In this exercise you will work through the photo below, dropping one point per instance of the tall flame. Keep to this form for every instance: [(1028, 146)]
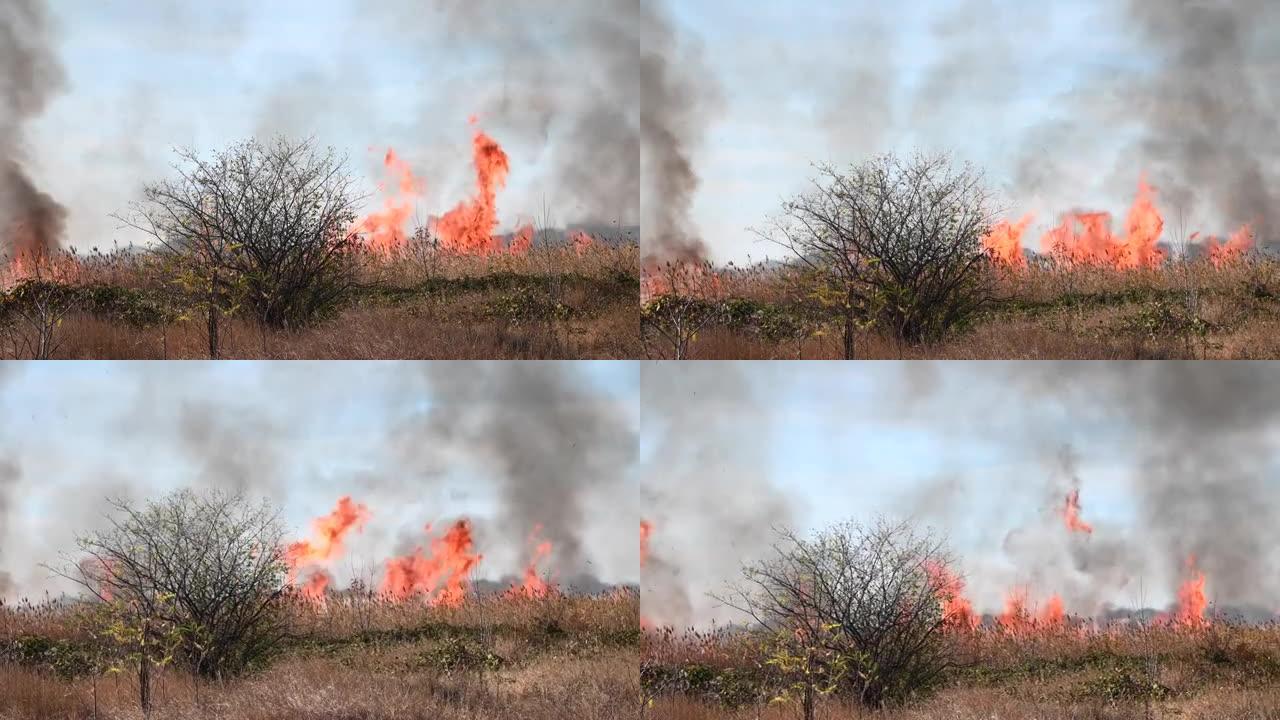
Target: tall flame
[(1004, 242), (1189, 609), (384, 231), (440, 576), (468, 228), (957, 611), (328, 533), (534, 586), (1070, 513)]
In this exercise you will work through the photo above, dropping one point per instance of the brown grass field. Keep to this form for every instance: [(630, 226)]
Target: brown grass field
[(1181, 310), (554, 303), (559, 657), (1220, 672)]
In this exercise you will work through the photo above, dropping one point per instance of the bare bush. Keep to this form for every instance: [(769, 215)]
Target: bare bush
[(900, 239), (210, 566), (264, 226), (860, 607)]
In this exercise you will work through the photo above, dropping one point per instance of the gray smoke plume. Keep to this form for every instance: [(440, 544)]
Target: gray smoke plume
[(1211, 113), (565, 80), (546, 440), (10, 474), (1198, 443), (677, 97), (31, 222), (706, 486), (1205, 436)]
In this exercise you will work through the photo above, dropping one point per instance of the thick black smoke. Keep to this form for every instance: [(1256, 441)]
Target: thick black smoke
[(31, 222)]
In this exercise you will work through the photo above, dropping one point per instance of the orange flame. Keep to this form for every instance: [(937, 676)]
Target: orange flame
[(646, 529), (468, 228), (1189, 609), (328, 533), (442, 576), (1004, 242), (1235, 247), (1017, 618), (384, 231), (315, 586), (534, 586), (957, 611), (1085, 238), (521, 241), (581, 242), (1070, 513)]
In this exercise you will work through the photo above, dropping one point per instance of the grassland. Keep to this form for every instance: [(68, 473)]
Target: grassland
[(1220, 672), (1179, 310), (556, 302), (357, 657)]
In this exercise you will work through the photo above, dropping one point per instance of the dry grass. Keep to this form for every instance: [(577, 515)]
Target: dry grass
[(1182, 310), (550, 303), (1222, 671), (360, 657)]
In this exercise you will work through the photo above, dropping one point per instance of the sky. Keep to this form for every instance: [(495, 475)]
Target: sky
[(973, 451), (145, 78), (1028, 92), (299, 434)]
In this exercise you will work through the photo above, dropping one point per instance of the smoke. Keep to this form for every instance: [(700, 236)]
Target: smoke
[(31, 222), (677, 98), (10, 474), (1204, 438), (551, 445), (1197, 448), (557, 75), (706, 486), (1211, 113)]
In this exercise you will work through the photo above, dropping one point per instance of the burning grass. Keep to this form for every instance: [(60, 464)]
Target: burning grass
[(1177, 309), (553, 301), (360, 654), (1070, 670)]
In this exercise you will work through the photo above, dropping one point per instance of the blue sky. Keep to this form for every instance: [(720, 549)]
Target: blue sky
[(81, 431), (780, 64)]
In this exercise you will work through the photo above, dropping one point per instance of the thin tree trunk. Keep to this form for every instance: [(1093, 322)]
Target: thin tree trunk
[(144, 685), (213, 319), (848, 326)]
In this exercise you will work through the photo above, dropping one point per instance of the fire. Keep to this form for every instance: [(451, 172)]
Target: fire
[(682, 279), (316, 585), (1235, 247), (534, 586), (1189, 609), (1085, 239), (1071, 514), (521, 241), (384, 231), (581, 242), (328, 533), (1018, 619), (957, 611), (468, 228), (646, 528), (442, 575), (1004, 242)]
